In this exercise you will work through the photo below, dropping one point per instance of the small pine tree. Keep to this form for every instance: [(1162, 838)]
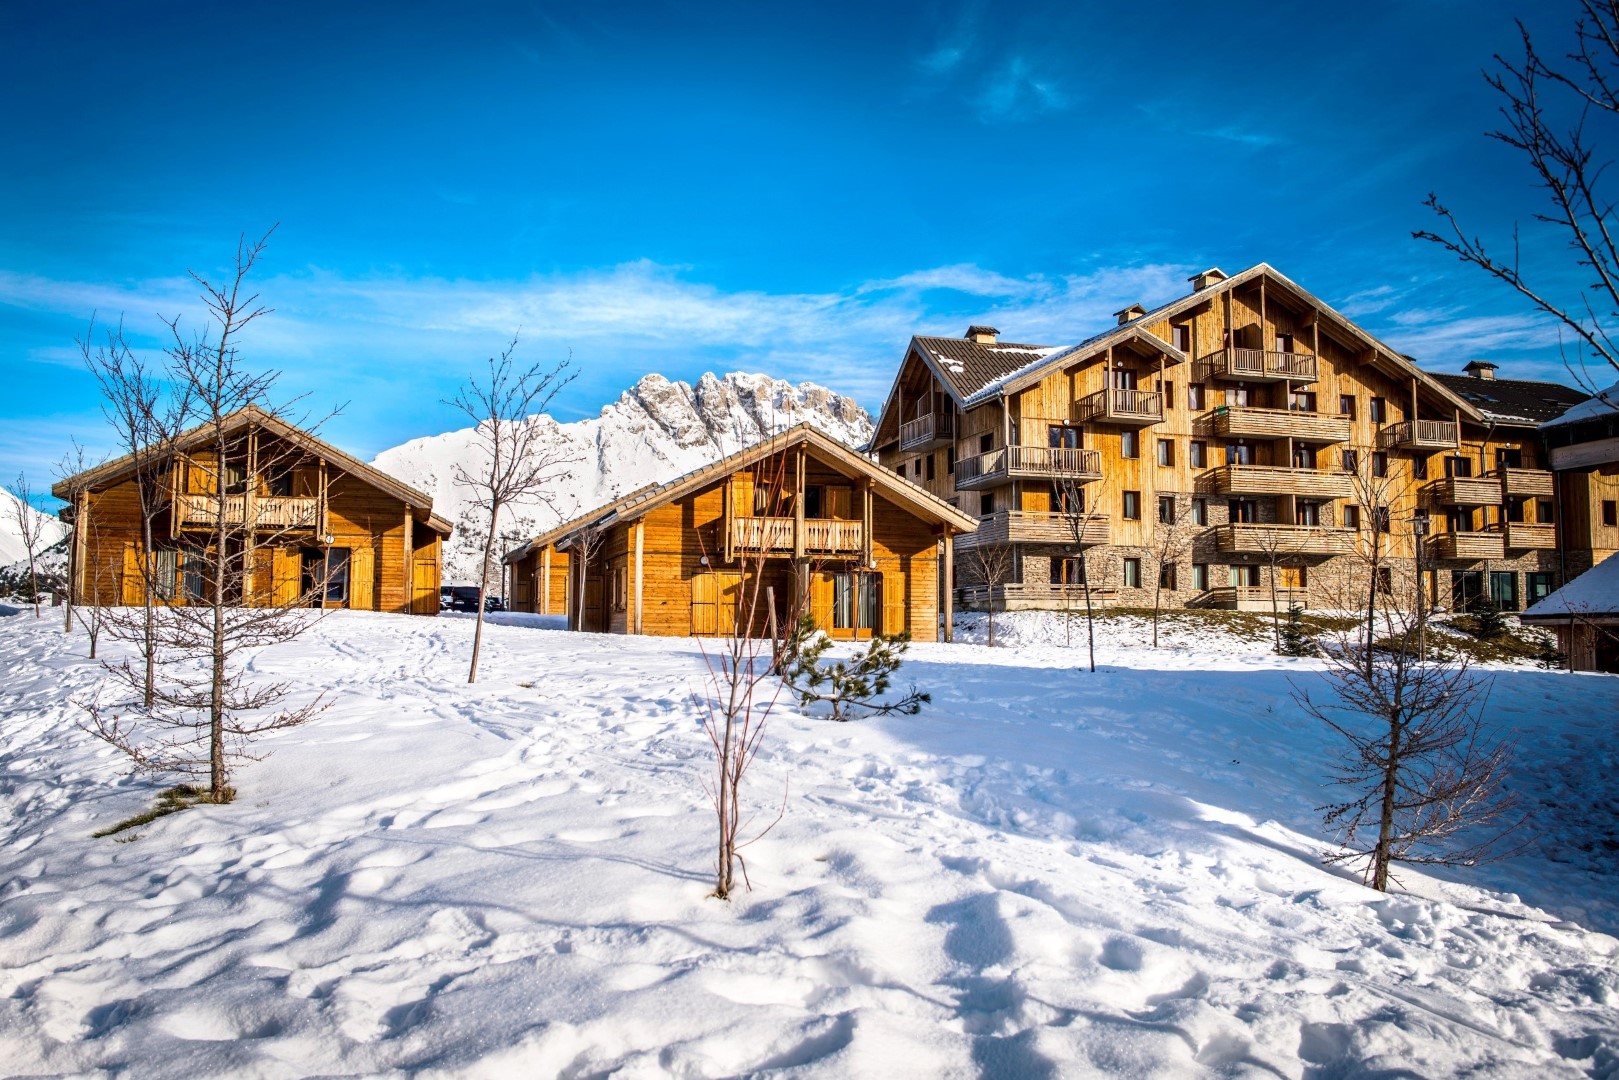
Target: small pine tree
[(1489, 624), (1295, 640), (848, 684)]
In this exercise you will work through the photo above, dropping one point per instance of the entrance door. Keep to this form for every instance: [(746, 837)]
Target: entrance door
[(424, 584), (1504, 590), (714, 597), (1466, 589)]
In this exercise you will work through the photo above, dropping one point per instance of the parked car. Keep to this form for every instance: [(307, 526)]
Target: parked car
[(466, 597)]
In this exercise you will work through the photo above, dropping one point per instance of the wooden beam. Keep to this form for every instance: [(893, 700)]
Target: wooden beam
[(545, 580), (639, 529), (410, 563), (947, 574), (798, 503)]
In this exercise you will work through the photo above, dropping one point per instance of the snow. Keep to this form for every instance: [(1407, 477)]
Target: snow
[(1047, 872), (1603, 403), (657, 430), (1594, 592), (12, 548)]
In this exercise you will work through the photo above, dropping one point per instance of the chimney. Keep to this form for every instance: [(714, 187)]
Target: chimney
[(982, 335), (1130, 314), (1212, 276), (1480, 369)]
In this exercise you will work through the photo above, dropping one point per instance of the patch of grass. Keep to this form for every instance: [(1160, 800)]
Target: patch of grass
[(169, 801)]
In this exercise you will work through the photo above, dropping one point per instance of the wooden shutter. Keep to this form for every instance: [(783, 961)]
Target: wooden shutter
[(287, 577), (896, 591), (134, 587), (362, 572)]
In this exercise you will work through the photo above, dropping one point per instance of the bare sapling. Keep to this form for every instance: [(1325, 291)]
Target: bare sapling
[(514, 457), (1082, 514), (30, 529), (1426, 776), (989, 567), (1171, 540), (214, 581), (583, 547)]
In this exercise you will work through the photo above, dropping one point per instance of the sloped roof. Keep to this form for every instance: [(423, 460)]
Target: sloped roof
[(966, 366), (896, 489), (1513, 401), (119, 468), (1603, 403), (1595, 592)]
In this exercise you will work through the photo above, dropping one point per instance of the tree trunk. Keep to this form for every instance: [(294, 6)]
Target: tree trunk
[(33, 581), (483, 579), (149, 646), (1385, 821)]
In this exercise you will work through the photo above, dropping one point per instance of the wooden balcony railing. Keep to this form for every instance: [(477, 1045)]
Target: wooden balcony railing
[(1465, 491), (1282, 480), (774, 536), (1527, 535), (1036, 462), (284, 512), (1253, 539), (1039, 595), (1469, 545), (1260, 365), (1243, 422), (1035, 527), (1256, 597), (927, 430), (1537, 482), (1136, 408), (1419, 435)]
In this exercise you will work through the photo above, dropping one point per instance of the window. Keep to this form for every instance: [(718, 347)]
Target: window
[(1508, 458), (1351, 460), (1129, 444), (165, 572), (1132, 573), (1200, 577), (986, 443), (1198, 454), (1067, 498), (1610, 513), (1518, 509), (842, 601), (1239, 396), (950, 460), (986, 503), (337, 575), (1065, 571), (1063, 438), (1382, 520), (900, 468), (1380, 463), (1200, 511), (1466, 589), (1166, 576), (1346, 405), (1307, 513), (1132, 505), (1543, 512), (1123, 379), (1458, 466), (1504, 589), (814, 501), (916, 467), (1459, 520), (1168, 390), (1244, 577), (235, 479), (278, 483), (1242, 511), (1419, 468), (1303, 457), (1284, 343), (1181, 337), (1301, 401), (931, 465), (1537, 586), (1166, 451), (1239, 454), (1385, 581), (1379, 411), (1351, 516), (1166, 509), (1194, 396)]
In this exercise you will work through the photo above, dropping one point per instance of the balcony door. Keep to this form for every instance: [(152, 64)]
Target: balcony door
[(1122, 379), (1063, 438), (1466, 589)]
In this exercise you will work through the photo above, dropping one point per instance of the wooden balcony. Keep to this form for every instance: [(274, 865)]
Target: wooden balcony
[(1019, 597), (1259, 365), (928, 431), (774, 536), (1465, 491), (1536, 482), (1469, 545), (1241, 422), (1256, 598), (1528, 535), (1130, 408), (263, 513), (1419, 435), (1028, 462), (1246, 538), (1035, 527), (1282, 480)]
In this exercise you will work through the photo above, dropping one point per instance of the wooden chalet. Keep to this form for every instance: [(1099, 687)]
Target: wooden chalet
[(1277, 433), (309, 511), (872, 550)]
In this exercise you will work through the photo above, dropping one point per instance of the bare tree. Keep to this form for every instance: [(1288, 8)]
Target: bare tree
[(1171, 540), (989, 566), (206, 709), (1426, 775), (1561, 115), (583, 547), (1082, 514), (1375, 484), (1281, 549), (30, 529), (515, 460)]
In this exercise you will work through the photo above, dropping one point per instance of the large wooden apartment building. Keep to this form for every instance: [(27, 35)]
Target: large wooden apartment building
[(1282, 442)]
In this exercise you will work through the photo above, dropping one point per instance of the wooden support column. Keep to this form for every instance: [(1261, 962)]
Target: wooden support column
[(250, 519), (410, 564), (1263, 326), (798, 504), (728, 519), (1413, 416), (947, 575), (320, 506), (81, 519), (545, 580), (639, 528), (1458, 431), (865, 522)]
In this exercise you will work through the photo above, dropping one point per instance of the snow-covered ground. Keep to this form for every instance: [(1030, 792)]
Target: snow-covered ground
[(1047, 872)]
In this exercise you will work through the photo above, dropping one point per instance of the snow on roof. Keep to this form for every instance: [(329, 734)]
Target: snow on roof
[(1605, 401), (1595, 592)]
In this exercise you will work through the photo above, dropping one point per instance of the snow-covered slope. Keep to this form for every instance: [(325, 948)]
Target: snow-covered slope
[(655, 431), (12, 548)]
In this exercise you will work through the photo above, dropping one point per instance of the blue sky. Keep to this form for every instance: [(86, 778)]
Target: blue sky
[(785, 188)]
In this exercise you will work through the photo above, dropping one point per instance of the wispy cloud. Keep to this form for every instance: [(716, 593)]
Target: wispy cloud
[(999, 71), (1244, 136)]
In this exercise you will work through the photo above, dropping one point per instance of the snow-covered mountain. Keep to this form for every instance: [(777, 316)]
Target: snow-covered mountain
[(655, 431), (12, 549)]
